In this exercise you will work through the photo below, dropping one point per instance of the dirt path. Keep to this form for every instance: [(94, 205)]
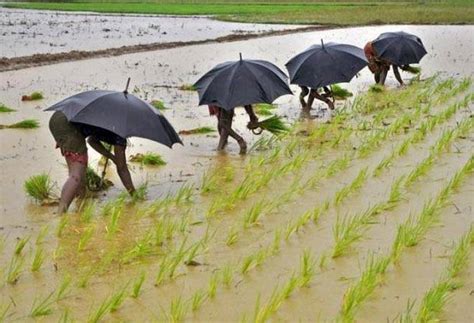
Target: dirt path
[(16, 63)]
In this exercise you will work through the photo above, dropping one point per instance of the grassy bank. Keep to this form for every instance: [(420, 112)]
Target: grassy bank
[(296, 12)]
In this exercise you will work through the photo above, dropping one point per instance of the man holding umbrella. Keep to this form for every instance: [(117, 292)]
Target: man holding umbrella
[(71, 139), (107, 116)]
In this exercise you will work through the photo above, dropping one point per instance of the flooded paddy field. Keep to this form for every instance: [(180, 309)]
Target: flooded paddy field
[(28, 32), (353, 216)]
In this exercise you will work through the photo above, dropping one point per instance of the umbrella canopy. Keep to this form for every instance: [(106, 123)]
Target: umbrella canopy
[(120, 113), (326, 64), (238, 83), (399, 48)]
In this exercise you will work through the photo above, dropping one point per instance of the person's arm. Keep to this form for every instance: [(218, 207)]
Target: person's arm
[(396, 72), (324, 98), (97, 146), (253, 117), (120, 161)]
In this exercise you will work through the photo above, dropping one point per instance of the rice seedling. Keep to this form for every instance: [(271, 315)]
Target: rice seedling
[(66, 316), (187, 87), (212, 287), (62, 290), (20, 245), (395, 193), (184, 194), (87, 210), (97, 315), (178, 309), (459, 259), (32, 97), (84, 278), (247, 263), (193, 253), (274, 124), (377, 88), (340, 93), (307, 268), (276, 243), (116, 211), (264, 109), (41, 235), (198, 299), (351, 187), (251, 216), (14, 270), (369, 279), (61, 226), (159, 105), (24, 124), (4, 309), (232, 236), (5, 109), (140, 193), (434, 300), (163, 270), (39, 187), (85, 238), (148, 159), (38, 260), (116, 300), (290, 286), (227, 275), (197, 131), (42, 307)]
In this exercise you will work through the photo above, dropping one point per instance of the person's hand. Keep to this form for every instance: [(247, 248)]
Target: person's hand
[(252, 124)]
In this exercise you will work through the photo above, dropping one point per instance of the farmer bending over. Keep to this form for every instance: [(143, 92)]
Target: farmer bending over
[(380, 67), (314, 93), (224, 126), (71, 139)]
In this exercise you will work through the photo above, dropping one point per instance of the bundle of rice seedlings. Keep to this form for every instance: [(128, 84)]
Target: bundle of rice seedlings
[(197, 131), (187, 87), (159, 105), (264, 109), (94, 182), (376, 88), (274, 124), (412, 69), (32, 97), (340, 93), (40, 188), (4, 108), (25, 124), (148, 158)]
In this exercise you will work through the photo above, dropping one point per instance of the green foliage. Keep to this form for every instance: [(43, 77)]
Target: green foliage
[(159, 105), (197, 131), (187, 87), (340, 93), (39, 187), (274, 124), (149, 159), (4, 108), (25, 124), (264, 109)]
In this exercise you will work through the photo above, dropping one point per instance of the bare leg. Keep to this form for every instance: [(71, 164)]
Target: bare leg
[(383, 75), (312, 94), (77, 171), (396, 72), (377, 77), (223, 134), (226, 124), (303, 94), (122, 168)]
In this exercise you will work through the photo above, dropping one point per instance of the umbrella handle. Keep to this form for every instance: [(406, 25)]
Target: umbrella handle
[(126, 87), (257, 131)]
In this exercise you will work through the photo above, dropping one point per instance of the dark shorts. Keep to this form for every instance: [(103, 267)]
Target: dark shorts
[(67, 136)]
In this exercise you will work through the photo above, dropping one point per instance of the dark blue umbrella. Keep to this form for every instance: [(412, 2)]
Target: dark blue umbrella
[(238, 83), (326, 64), (399, 48), (120, 113)]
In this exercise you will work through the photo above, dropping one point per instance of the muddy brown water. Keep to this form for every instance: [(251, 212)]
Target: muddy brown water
[(28, 152)]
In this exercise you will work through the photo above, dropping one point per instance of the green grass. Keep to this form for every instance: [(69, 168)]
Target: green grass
[(329, 13), (197, 131), (274, 124), (264, 109), (159, 105), (187, 87), (4, 108), (39, 187), (25, 124), (340, 93), (149, 159)]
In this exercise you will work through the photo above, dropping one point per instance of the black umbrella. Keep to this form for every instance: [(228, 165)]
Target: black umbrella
[(399, 48), (120, 113), (326, 64), (238, 83)]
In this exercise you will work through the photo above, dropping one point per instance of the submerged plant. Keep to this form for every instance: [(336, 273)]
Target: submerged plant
[(33, 96), (25, 124), (197, 299), (177, 310), (158, 104), (39, 187), (149, 159), (42, 307), (197, 131), (38, 260), (14, 270), (20, 245), (4, 108)]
